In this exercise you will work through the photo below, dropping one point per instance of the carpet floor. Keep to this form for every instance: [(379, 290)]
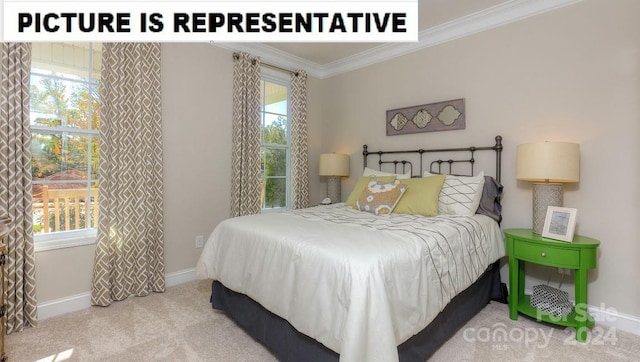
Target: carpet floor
[(180, 325)]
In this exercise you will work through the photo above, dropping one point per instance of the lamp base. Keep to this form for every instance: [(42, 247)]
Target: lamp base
[(333, 189), (544, 195)]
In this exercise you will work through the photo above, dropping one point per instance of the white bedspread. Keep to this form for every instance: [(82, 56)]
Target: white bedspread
[(360, 284)]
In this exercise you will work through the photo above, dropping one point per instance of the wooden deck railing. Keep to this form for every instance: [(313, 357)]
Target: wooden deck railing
[(67, 203)]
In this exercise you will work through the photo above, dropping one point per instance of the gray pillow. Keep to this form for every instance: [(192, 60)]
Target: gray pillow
[(490, 201)]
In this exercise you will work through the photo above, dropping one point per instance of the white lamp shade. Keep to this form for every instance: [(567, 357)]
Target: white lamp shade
[(548, 162), (334, 164)]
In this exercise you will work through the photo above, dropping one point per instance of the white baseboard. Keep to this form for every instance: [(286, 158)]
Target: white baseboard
[(81, 301), (179, 277), (64, 305), (610, 317)]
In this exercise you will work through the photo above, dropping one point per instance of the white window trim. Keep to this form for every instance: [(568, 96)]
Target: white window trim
[(62, 129), (64, 239)]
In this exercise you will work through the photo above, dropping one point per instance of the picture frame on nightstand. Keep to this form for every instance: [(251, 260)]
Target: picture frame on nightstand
[(560, 223)]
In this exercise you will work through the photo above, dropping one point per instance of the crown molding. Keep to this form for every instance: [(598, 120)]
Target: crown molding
[(493, 17), (274, 56)]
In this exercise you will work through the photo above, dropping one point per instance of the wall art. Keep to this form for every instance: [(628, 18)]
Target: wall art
[(440, 116)]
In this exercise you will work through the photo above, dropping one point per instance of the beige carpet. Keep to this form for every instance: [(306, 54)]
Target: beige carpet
[(180, 325)]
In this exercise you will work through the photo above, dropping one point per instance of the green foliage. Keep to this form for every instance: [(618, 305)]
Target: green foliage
[(275, 163), (60, 106)]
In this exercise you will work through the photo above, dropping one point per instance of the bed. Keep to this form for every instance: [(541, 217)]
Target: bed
[(334, 283)]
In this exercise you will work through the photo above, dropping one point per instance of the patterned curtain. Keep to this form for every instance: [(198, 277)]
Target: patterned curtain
[(245, 161), (299, 148), (15, 184), (130, 249)]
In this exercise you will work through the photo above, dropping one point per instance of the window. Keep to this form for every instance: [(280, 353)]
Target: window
[(275, 148), (65, 120)]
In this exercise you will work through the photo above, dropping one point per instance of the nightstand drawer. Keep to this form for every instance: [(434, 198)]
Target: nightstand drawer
[(547, 255)]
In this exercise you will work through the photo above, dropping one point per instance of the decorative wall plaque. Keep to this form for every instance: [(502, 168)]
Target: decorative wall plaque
[(440, 116)]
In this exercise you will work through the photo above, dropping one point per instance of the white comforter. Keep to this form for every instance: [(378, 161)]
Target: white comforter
[(358, 283)]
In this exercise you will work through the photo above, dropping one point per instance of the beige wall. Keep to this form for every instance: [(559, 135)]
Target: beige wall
[(63, 273), (196, 111), (572, 75)]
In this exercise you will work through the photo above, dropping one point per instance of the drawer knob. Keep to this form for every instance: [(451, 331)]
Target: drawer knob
[(543, 254)]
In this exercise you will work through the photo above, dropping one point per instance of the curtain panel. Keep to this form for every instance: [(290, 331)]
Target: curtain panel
[(299, 147), (246, 130), (15, 184), (129, 257)]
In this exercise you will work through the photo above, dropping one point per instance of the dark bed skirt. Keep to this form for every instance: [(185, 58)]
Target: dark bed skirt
[(287, 344)]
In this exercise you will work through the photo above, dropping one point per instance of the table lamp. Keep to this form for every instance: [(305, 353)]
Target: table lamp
[(334, 166), (548, 165)]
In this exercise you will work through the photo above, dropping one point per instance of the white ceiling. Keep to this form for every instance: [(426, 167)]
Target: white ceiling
[(439, 21), (432, 13)]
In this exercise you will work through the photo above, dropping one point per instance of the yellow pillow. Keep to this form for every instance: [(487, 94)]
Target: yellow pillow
[(361, 184), (421, 197)]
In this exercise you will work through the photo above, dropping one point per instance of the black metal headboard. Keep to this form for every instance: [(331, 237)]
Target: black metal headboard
[(436, 166)]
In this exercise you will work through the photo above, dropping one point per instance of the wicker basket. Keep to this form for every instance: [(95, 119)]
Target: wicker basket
[(551, 300)]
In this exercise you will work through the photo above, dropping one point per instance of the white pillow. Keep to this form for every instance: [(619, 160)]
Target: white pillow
[(400, 176), (460, 195)]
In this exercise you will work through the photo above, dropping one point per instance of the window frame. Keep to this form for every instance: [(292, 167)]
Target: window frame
[(76, 237), (279, 78)]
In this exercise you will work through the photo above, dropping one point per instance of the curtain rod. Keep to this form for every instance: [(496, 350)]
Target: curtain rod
[(236, 57), (280, 68)]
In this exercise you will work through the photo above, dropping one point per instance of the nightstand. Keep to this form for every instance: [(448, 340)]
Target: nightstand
[(580, 255)]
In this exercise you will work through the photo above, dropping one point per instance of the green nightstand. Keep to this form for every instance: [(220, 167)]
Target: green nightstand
[(579, 255)]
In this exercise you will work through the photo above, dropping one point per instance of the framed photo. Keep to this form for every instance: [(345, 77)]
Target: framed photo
[(559, 223)]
